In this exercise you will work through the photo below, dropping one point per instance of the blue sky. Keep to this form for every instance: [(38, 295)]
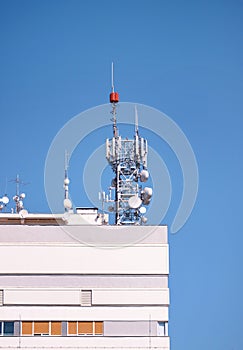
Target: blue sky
[(181, 57)]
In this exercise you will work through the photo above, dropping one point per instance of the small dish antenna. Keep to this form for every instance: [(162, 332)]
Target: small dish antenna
[(134, 202), (4, 200), (23, 213), (142, 210)]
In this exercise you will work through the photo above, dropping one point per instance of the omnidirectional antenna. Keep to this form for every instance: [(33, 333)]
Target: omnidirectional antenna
[(136, 121), (112, 77), (19, 197)]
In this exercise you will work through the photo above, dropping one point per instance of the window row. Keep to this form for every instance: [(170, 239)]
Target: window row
[(53, 328)]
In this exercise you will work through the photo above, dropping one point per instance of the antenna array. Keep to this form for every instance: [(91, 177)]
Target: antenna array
[(128, 160)]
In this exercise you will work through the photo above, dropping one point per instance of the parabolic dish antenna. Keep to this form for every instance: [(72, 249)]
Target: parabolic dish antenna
[(23, 213), (5, 200), (134, 202), (142, 210)]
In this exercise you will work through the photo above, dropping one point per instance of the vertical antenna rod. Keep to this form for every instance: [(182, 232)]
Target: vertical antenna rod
[(112, 77), (136, 121), (114, 99), (66, 179)]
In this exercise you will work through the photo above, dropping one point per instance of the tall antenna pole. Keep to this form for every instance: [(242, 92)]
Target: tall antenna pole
[(128, 159)]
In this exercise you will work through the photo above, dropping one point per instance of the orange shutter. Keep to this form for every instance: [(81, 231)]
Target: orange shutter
[(26, 328), (98, 327), (85, 327), (56, 328), (41, 327), (72, 328)]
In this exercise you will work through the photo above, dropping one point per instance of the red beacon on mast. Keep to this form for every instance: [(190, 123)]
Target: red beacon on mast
[(114, 96)]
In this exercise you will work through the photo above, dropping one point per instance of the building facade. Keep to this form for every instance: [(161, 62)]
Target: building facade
[(78, 286)]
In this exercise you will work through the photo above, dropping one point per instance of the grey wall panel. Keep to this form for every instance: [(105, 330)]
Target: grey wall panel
[(64, 328), (130, 328), (83, 281), (17, 328)]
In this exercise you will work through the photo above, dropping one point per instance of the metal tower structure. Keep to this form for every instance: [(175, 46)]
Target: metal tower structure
[(128, 160)]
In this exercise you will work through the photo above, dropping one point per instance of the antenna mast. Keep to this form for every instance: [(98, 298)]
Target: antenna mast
[(128, 159), (67, 202), (19, 197)]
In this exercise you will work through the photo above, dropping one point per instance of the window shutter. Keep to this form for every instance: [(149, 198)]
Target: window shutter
[(85, 327), (56, 328), (99, 328), (26, 328), (72, 328), (41, 327), (86, 297)]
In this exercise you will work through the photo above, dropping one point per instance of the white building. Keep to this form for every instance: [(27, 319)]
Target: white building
[(82, 286), (71, 281)]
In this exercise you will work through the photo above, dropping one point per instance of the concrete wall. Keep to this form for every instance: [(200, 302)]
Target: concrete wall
[(78, 313), (44, 259), (86, 342), (111, 296), (83, 281)]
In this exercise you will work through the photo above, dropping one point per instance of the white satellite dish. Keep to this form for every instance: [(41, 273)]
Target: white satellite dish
[(67, 203), (23, 195), (148, 192), (142, 210), (23, 213), (144, 220), (5, 200), (134, 202), (144, 175)]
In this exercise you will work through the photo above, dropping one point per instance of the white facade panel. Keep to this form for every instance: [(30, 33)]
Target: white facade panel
[(21, 296), (130, 296), (76, 313), (83, 259), (86, 342)]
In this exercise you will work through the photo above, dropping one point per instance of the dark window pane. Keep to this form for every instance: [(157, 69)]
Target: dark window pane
[(0, 328), (8, 328)]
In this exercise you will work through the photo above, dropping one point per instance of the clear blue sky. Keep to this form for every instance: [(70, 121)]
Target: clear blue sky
[(181, 57)]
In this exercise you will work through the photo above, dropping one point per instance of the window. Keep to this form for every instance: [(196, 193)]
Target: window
[(161, 329), (72, 328), (56, 328), (7, 328), (41, 328), (85, 328), (98, 328), (27, 328)]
